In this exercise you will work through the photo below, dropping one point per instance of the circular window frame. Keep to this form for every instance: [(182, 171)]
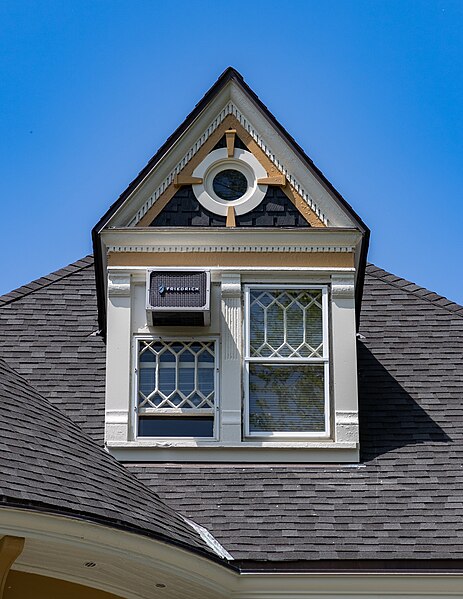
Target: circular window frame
[(243, 180), (217, 161)]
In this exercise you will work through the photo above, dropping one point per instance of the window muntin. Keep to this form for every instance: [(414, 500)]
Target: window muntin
[(176, 378), (286, 361)]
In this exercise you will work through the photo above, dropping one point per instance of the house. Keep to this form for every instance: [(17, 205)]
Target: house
[(226, 400)]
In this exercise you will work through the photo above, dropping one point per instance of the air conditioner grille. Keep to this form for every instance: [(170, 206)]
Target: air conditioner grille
[(173, 289)]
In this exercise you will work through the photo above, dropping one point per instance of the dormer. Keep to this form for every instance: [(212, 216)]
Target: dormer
[(229, 278)]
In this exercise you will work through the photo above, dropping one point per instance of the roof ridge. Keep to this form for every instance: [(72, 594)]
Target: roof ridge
[(42, 282), (408, 286)]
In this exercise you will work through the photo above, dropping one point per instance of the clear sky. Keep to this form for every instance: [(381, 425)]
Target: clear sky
[(373, 91)]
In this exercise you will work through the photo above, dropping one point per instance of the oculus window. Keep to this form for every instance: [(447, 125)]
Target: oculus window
[(176, 388), (286, 362)]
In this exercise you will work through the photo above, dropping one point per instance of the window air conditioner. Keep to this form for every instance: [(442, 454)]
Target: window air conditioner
[(178, 297)]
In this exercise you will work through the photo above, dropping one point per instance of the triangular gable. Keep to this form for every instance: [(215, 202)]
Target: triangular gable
[(231, 103), (159, 200)]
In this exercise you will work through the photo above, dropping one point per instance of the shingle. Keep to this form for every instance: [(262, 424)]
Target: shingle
[(403, 501), (46, 461)]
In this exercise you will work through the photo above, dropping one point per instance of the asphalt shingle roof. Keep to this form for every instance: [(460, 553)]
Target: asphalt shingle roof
[(48, 334), (47, 463), (405, 499)]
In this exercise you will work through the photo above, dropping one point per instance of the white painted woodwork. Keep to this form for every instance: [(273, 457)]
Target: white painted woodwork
[(118, 388), (344, 358), (233, 101), (231, 369)]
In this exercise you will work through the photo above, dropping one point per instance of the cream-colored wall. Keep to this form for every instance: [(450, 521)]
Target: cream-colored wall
[(127, 319)]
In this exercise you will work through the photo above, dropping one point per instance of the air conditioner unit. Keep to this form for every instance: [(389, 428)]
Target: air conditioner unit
[(178, 297)]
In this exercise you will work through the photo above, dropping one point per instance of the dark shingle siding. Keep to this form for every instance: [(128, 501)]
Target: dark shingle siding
[(184, 210)]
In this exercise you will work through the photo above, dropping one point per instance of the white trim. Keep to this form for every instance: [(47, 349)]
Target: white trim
[(215, 411), (175, 249), (211, 541), (247, 360), (71, 541), (232, 109), (152, 561), (232, 239), (217, 161)]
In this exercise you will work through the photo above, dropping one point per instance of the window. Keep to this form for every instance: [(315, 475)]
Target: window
[(176, 388), (286, 362)]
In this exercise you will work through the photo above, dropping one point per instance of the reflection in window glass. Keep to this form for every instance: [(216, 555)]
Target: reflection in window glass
[(287, 361)]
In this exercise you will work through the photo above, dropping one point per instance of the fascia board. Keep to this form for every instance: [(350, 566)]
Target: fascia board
[(349, 584), (152, 556), (278, 146), (169, 159), (204, 238)]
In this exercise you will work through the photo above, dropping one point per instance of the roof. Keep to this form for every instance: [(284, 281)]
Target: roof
[(80, 479), (229, 74), (48, 335), (402, 502)]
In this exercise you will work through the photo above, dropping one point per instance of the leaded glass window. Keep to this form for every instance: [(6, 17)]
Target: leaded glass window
[(287, 362), (176, 379)]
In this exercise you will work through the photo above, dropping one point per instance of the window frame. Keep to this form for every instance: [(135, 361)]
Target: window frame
[(325, 360), (174, 412)]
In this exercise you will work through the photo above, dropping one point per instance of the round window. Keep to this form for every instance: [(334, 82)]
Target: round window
[(230, 184)]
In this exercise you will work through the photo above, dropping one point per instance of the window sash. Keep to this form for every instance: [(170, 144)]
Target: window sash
[(174, 411), (273, 361)]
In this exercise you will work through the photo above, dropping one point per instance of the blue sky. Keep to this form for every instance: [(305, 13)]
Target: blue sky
[(373, 91)]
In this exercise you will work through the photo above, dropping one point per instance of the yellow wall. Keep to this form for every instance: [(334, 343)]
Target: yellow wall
[(20, 585), (218, 259)]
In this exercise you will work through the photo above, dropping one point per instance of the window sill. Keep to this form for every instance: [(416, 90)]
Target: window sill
[(174, 450)]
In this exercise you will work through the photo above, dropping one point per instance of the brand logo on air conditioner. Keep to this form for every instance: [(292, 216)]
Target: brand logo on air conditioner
[(163, 289)]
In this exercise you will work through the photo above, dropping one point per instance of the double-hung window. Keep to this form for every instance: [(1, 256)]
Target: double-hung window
[(286, 361), (176, 387)]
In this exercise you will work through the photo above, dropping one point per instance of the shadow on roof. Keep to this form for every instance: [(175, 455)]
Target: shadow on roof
[(390, 418)]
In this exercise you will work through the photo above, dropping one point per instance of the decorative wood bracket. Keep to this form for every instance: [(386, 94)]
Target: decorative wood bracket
[(230, 137), (279, 180), (231, 221), (10, 549), (180, 180)]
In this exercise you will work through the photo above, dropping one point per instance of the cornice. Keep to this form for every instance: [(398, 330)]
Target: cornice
[(229, 109), (228, 248)]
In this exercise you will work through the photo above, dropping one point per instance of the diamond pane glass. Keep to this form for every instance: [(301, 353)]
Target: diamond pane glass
[(286, 324), (286, 398), (176, 375)]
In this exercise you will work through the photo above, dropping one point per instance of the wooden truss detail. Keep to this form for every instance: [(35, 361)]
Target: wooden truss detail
[(230, 137), (231, 221), (231, 124), (10, 549), (279, 180), (180, 180)]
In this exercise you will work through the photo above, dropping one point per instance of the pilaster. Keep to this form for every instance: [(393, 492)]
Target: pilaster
[(118, 358), (231, 336), (344, 358)]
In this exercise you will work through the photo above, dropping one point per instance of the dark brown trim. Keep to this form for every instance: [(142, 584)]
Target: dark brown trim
[(352, 566), (361, 276), (99, 283)]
